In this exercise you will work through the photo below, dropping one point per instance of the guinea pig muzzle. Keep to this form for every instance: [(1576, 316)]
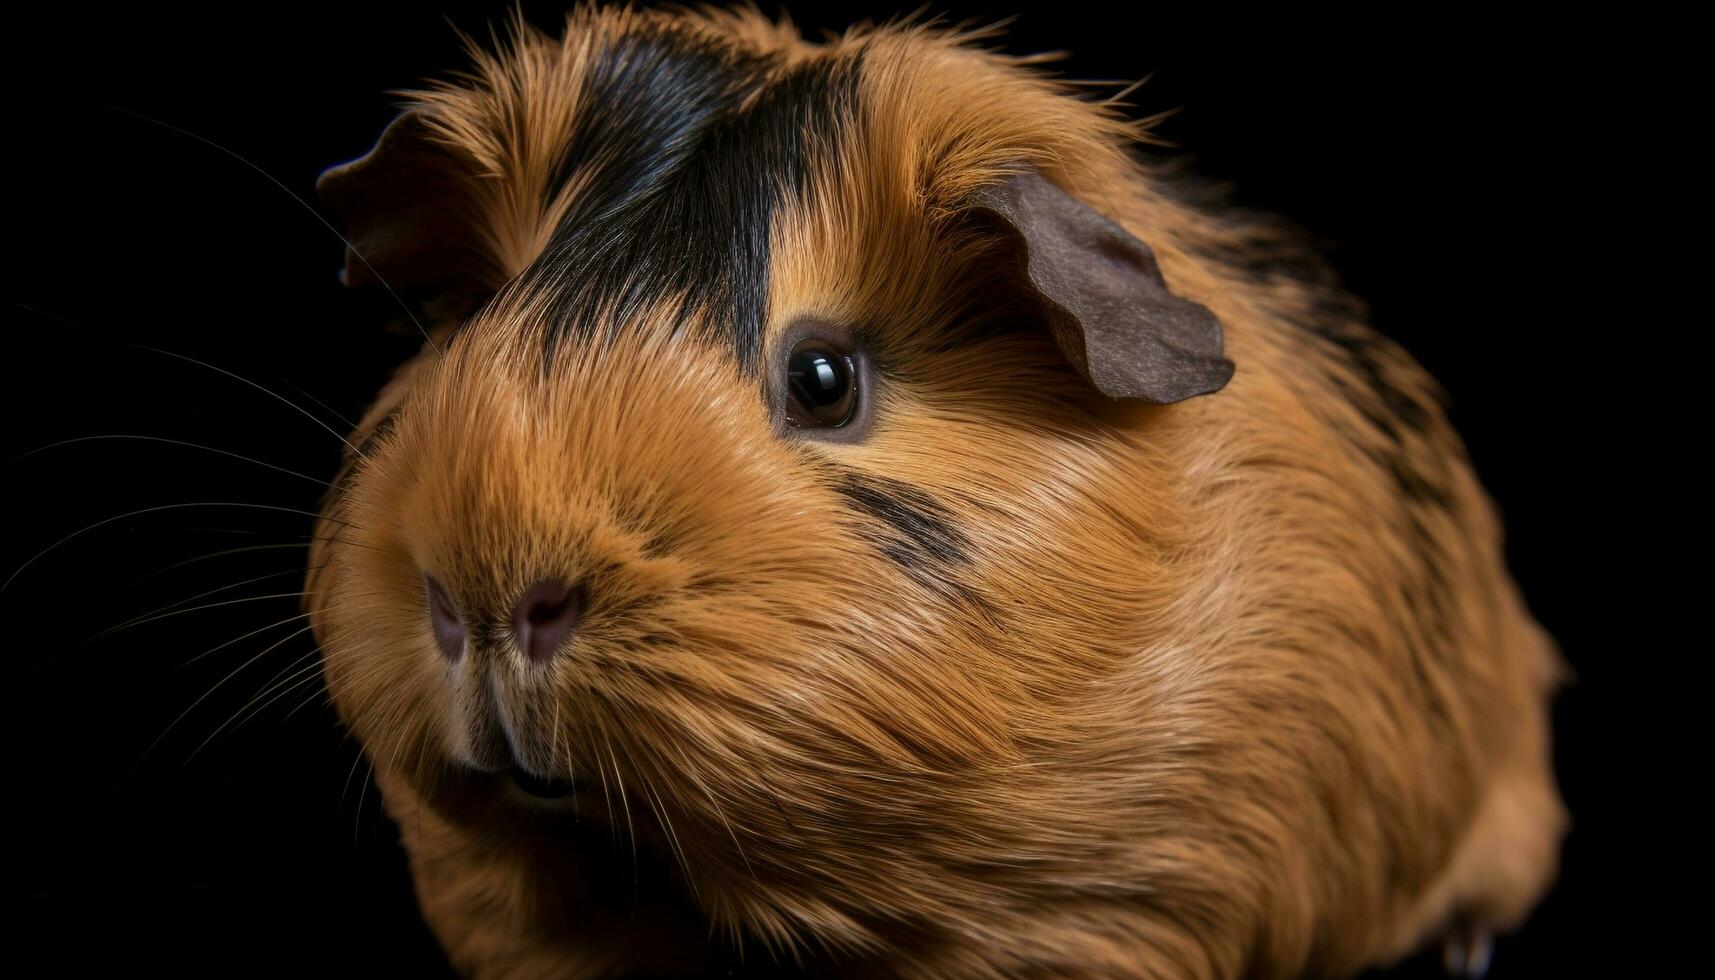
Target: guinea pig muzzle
[(502, 745), (502, 758), (498, 716), (500, 729)]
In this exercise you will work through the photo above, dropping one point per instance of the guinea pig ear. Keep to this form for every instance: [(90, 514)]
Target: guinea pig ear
[(407, 211), (1105, 298)]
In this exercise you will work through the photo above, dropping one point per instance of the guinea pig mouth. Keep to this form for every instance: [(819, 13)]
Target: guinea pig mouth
[(543, 787)]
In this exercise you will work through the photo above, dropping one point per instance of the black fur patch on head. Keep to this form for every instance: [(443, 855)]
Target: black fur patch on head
[(684, 148)]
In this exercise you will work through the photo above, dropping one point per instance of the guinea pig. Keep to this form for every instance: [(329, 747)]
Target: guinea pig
[(853, 512)]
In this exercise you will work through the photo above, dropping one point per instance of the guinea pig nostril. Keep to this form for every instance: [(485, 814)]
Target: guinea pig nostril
[(545, 617), (444, 617)]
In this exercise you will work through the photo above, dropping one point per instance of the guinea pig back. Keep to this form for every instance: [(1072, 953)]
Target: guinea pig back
[(850, 512)]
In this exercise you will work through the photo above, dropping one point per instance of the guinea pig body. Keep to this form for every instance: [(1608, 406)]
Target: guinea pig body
[(964, 665)]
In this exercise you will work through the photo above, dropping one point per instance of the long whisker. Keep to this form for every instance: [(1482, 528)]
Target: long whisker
[(205, 606), (174, 442), (217, 554), (319, 692), (204, 364), (345, 787), (266, 391), (708, 793), (562, 739), (217, 686), (379, 716), (362, 790), (144, 617), (325, 406), (306, 205), (554, 741), (418, 767), (294, 668), (607, 798), (214, 650), (630, 828), (667, 822), (155, 510), (299, 674)]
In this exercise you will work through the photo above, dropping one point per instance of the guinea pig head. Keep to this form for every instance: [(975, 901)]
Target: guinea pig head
[(766, 491)]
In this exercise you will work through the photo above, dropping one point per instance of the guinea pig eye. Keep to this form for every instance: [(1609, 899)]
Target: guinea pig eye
[(821, 386)]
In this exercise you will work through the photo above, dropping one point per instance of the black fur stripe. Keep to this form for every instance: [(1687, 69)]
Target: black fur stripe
[(922, 529), (686, 146), (919, 534)]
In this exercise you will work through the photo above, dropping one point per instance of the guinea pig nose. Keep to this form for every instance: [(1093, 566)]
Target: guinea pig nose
[(444, 616), (545, 617)]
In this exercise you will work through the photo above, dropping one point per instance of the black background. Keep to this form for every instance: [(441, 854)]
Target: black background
[(1434, 156)]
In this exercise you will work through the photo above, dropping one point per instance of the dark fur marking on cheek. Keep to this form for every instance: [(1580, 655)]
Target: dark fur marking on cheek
[(919, 534), (924, 527)]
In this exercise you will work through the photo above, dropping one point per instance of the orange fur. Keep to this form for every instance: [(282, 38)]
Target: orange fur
[(1230, 702)]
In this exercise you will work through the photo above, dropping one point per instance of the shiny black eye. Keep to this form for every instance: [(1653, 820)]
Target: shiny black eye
[(821, 386)]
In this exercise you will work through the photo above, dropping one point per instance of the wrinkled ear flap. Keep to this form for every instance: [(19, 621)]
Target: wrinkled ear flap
[(1105, 298), (407, 212)]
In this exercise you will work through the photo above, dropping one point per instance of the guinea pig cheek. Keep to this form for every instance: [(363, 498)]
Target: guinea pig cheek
[(635, 567)]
